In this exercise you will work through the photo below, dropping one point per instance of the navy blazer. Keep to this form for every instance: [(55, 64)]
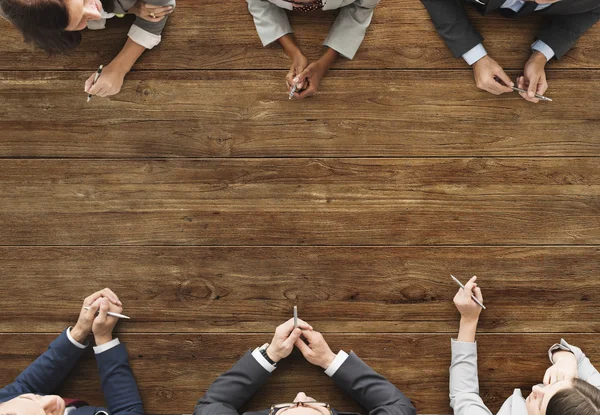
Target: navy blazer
[(44, 376)]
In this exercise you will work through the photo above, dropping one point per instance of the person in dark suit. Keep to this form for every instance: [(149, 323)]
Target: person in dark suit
[(31, 393), (234, 388), (567, 20)]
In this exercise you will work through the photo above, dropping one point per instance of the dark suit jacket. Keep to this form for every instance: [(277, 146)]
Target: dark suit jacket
[(234, 388), (44, 376), (567, 21)]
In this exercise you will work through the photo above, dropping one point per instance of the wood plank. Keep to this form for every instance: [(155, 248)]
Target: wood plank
[(246, 114), (252, 289), (213, 34), (475, 201), (173, 371)]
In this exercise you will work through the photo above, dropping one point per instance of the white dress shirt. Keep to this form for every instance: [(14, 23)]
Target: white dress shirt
[(97, 349), (479, 51)]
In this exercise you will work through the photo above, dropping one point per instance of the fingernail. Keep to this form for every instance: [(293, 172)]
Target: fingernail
[(296, 79)]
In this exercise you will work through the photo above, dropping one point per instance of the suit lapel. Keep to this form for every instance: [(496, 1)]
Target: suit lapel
[(493, 5)]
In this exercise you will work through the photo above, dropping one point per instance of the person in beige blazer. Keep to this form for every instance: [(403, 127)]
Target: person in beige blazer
[(570, 385), (345, 37)]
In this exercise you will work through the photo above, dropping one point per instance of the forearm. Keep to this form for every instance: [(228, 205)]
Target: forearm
[(289, 45), (328, 58), (467, 330), (128, 56)]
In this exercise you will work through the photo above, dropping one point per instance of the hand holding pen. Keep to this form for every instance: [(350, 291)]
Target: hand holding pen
[(96, 77), (87, 315), (469, 299)]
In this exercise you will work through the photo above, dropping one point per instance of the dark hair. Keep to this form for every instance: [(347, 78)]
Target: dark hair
[(581, 399), (43, 22)]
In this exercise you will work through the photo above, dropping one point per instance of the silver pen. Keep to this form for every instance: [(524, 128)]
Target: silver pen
[(463, 287), (538, 96), (295, 316), (293, 91), (98, 73), (110, 313)]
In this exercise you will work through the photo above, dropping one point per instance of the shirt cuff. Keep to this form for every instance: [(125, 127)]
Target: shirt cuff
[(563, 345), (474, 54), (75, 342), (261, 359), (106, 346), (143, 37), (337, 362), (543, 47)]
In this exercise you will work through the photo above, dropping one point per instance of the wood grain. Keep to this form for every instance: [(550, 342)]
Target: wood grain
[(300, 202), (174, 370), (213, 34), (252, 289), (247, 114)]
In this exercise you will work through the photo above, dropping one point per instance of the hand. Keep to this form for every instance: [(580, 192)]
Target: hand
[(284, 338), (564, 367), (299, 63), (146, 11), (310, 79), (317, 350), (487, 72), (534, 77), (83, 328), (109, 83), (103, 323), (469, 309)]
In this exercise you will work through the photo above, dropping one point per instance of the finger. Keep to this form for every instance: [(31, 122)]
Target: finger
[(542, 86), (309, 92), (302, 77), (93, 308), (290, 341), (506, 79), (470, 285), (310, 335), (478, 294), (533, 84), (288, 326), (94, 89), (546, 380), (108, 293), (303, 347), (553, 377), (89, 82), (103, 311)]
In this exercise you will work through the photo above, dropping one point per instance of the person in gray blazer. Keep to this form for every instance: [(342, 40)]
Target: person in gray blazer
[(570, 385), (344, 39), (56, 25), (234, 388), (566, 21)]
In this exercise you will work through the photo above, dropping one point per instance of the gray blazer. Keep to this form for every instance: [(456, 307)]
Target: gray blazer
[(464, 384), (234, 388), (142, 32), (567, 21), (345, 37)]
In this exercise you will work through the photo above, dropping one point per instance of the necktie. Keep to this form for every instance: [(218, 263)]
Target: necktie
[(310, 7), (528, 7)]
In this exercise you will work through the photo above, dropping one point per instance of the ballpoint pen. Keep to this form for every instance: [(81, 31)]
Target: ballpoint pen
[(538, 96), (98, 73), (295, 316), (472, 296), (110, 313), (293, 91)]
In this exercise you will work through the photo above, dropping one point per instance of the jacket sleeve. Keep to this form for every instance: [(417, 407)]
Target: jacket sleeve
[(350, 26), (118, 384), (270, 20), (464, 382), (453, 25), (233, 388), (48, 371), (146, 33), (585, 370), (562, 31), (371, 390)]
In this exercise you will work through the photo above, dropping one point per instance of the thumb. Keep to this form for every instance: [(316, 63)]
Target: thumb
[(89, 83), (504, 77), (103, 312), (533, 86), (94, 307), (291, 340), (300, 79), (303, 347)]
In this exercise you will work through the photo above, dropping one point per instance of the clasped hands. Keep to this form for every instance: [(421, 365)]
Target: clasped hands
[(307, 77), (311, 343), (490, 77), (96, 319)]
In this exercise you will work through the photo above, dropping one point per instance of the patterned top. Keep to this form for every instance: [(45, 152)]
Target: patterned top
[(307, 7)]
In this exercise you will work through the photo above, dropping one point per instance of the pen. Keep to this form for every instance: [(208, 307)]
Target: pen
[(543, 98), (95, 80), (295, 316), (472, 296), (293, 91), (110, 313)]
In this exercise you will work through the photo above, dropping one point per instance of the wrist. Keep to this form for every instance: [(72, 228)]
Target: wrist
[(329, 360), (78, 334), (119, 67), (103, 339), (272, 355), (539, 57)]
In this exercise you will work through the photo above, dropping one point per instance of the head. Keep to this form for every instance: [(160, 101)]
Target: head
[(567, 397), (306, 409), (30, 404), (53, 25)]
